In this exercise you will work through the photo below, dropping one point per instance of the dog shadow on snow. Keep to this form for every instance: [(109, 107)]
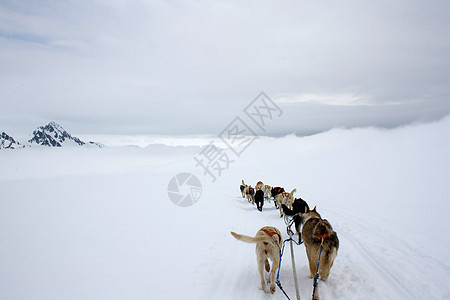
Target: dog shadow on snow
[(249, 207), (245, 205)]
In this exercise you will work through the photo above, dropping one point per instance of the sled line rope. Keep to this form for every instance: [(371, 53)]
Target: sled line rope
[(290, 239), (316, 277), (297, 291)]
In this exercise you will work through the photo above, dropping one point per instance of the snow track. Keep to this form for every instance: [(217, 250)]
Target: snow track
[(393, 286), (388, 256), (372, 263)]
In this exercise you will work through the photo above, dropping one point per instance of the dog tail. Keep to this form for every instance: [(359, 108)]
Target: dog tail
[(248, 239), (243, 182), (292, 192)]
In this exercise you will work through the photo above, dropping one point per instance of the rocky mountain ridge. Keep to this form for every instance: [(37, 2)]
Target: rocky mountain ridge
[(8, 142), (50, 135)]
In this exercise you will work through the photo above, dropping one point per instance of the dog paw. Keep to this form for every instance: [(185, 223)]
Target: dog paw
[(272, 289)]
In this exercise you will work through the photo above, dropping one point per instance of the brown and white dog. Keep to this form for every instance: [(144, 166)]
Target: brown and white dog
[(285, 198), (268, 243), (267, 189), (242, 188), (290, 199), (250, 193), (259, 185), (318, 232)]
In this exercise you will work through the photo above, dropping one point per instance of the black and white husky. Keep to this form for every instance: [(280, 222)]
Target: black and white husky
[(299, 206)]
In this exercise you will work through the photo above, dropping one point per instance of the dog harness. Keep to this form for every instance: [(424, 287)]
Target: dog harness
[(321, 236), (278, 190), (272, 233)]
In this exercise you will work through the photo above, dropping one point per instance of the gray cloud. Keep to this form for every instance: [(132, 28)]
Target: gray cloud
[(180, 67)]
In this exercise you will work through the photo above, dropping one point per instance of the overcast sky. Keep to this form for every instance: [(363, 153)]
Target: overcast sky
[(187, 67)]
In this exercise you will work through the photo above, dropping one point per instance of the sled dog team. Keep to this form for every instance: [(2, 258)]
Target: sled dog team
[(261, 191), (310, 227)]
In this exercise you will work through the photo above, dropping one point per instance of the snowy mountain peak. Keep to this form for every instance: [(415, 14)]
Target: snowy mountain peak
[(56, 126), (53, 135), (7, 142)]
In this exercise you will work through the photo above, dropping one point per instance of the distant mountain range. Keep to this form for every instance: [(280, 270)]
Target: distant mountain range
[(50, 135)]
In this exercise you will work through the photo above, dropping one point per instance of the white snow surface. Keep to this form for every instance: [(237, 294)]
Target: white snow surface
[(97, 223)]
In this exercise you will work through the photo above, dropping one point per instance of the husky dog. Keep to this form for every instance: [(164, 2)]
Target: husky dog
[(259, 199), (259, 185), (285, 198), (317, 231), (298, 207), (250, 193), (274, 192), (268, 243), (290, 199), (242, 188), (267, 189)]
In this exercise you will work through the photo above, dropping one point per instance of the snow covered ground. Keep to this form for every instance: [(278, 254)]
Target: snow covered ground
[(91, 223)]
